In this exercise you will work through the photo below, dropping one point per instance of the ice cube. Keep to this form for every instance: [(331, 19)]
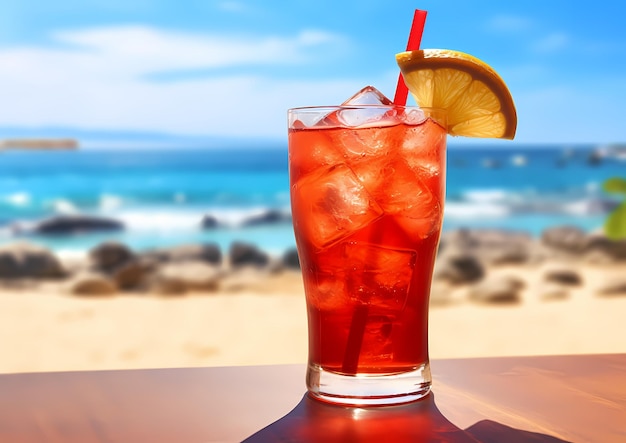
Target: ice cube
[(367, 274), (414, 202), (331, 204), (329, 292), (414, 116), (320, 152), (369, 95), (428, 222), (373, 117), (359, 146), (424, 148), (387, 275), (402, 192)]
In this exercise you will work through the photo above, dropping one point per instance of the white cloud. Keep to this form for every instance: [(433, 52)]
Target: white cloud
[(552, 43), (231, 6), (145, 49), (509, 23), (103, 79), (99, 79)]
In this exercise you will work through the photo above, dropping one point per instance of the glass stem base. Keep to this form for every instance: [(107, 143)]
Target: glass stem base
[(368, 389)]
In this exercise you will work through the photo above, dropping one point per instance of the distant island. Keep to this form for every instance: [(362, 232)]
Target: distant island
[(39, 143)]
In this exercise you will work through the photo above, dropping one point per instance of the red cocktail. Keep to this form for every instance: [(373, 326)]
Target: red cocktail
[(367, 195)]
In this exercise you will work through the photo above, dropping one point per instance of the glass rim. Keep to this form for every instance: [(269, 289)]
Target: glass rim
[(313, 113), (331, 108)]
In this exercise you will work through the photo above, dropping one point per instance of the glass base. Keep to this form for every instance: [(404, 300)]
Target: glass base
[(368, 389)]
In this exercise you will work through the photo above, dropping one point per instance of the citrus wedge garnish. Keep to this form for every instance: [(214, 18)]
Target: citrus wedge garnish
[(477, 100)]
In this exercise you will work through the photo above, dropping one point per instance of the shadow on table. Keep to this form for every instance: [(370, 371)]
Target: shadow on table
[(314, 421)]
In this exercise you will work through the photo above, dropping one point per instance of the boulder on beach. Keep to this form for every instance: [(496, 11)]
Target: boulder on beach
[(613, 287), (244, 254), (26, 260), (209, 222), (458, 267), (76, 224), (574, 242), (491, 246), (206, 252), (91, 284), (565, 238), (290, 259), (500, 289), (167, 286), (269, 217), (132, 274), (109, 255), (180, 277), (613, 249), (562, 275)]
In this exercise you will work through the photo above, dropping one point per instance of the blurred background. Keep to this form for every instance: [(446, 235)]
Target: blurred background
[(157, 124)]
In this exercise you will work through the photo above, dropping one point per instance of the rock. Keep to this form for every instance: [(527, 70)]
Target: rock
[(110, 255), (503, 247), (563, 276), (167, 286), (270, 217), (565, 238), (614, 249), (209, 222), (26, 260), (209, 253), (598, 258), (491, 245), (595, 247), (615, 286), (595, 157), (291, 260), (131, 275), (190, 275), (458, 267), (600, 206), (242, 254), (92, 283), (76, 224), (498, 289), (10, 266)]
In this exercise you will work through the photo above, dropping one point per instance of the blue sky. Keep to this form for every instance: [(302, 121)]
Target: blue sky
[(201, 69)]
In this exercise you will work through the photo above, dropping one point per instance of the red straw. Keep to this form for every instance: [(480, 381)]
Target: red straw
[(415, 38)]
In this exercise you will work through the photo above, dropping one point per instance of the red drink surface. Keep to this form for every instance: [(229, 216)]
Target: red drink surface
[(367, 207)]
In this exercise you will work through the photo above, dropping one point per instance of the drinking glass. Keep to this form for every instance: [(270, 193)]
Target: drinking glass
[(367, 185)]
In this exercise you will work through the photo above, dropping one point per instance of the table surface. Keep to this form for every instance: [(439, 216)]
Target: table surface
[(514, 399)]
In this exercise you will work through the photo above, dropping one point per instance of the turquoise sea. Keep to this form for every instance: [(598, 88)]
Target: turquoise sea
[(161, 196)]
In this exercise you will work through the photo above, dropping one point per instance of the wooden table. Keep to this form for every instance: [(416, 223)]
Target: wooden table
[(529, 399)]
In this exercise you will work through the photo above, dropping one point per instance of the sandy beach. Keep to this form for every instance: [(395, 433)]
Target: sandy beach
[(264, 322)]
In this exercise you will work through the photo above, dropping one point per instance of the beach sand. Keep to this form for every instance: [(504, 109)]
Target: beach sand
[(46, 329)]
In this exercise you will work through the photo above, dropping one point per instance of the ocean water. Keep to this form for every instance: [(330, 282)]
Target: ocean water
[(162, 196)]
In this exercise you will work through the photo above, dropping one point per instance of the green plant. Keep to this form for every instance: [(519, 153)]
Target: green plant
[(615, 224)]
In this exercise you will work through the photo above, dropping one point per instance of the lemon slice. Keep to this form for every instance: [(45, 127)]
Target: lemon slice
[(477, 100)]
